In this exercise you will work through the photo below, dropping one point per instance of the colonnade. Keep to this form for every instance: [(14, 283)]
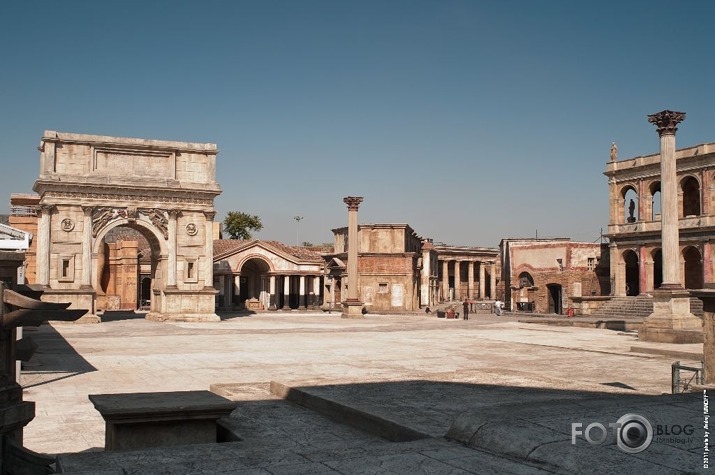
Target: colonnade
[(274, 291), (478, 293)]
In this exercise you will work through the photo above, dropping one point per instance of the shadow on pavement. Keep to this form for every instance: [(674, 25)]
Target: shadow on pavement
[(422, 426), (118, 315), (55, 359)]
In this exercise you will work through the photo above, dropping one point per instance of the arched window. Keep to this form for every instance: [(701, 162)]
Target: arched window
[(691, 196), (655, 201), (525, 280), (630, 205)]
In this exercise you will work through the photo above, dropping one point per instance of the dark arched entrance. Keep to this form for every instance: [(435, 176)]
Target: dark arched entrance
[(693, 268), (253, 283), (632, 273)]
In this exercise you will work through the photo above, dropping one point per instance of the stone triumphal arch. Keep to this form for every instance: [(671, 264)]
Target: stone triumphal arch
[(90, 185)]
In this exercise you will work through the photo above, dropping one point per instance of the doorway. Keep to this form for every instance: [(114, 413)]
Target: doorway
[(554, 291)]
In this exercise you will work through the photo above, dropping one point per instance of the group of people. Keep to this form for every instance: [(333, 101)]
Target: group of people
[(498, 308)]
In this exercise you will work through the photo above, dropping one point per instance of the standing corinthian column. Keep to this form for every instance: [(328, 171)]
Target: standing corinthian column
[(666, 123), (671, 320), (352, 306)]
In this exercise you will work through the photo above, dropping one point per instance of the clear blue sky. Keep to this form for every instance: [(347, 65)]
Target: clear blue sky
[(469, 120)]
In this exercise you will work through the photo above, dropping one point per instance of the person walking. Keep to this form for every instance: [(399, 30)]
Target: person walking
[(497, 307), (465, 306)]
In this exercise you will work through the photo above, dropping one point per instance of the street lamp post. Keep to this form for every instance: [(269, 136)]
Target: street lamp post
[(297, 222)]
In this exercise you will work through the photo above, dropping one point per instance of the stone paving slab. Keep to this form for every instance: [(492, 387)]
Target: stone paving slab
[(488, 361)]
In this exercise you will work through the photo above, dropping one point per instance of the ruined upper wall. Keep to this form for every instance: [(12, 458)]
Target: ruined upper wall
[(650, 164), (96, 159)]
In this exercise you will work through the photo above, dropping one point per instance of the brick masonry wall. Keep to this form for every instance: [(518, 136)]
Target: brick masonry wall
[(28, 224)]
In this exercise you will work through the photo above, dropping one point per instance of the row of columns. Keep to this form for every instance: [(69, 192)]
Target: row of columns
[(277, 285), (470, 278)]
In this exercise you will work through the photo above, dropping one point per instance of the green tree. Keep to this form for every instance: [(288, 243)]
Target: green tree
[(239, 225)]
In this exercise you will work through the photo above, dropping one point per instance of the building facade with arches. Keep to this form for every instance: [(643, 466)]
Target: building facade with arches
[(634, 228)]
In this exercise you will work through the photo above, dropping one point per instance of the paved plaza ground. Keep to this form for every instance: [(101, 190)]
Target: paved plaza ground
[(433, 376)]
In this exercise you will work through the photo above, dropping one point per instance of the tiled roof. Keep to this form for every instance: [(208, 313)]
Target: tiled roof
[(226, 246), (223, 246), (301, 252)]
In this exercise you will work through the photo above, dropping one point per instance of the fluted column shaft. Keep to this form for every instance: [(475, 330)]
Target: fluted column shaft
[(482, 280), (669, 211)]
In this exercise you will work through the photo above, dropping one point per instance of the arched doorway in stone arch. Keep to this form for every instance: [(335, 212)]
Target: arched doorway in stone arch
[(630, 259), (253, 283), (127, 268), (693, 264)]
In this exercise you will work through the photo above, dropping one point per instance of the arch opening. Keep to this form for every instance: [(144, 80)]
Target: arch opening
[(657, 268), (127, 269), (693, 268), (632, 273), (691, 197), (630, 205), (655, 201), (253, 284)]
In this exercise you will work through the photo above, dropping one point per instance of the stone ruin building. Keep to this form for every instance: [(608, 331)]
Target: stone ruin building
[(105, 239), (634, 229)]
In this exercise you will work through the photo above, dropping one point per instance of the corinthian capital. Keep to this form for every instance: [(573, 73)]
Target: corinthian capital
[(666, 122), (353, 202)]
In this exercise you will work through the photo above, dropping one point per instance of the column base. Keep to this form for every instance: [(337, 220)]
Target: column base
[(671, 320), (352, 309)]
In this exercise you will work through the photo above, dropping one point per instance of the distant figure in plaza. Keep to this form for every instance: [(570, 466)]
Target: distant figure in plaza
[(428, 310), (465, 306), (631, 211), (497, 307), (614, 151)]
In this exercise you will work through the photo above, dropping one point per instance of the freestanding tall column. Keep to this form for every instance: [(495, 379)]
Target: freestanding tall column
[(352, 306), (671, 320), (666, 122), (470, 280), (482, 280)]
